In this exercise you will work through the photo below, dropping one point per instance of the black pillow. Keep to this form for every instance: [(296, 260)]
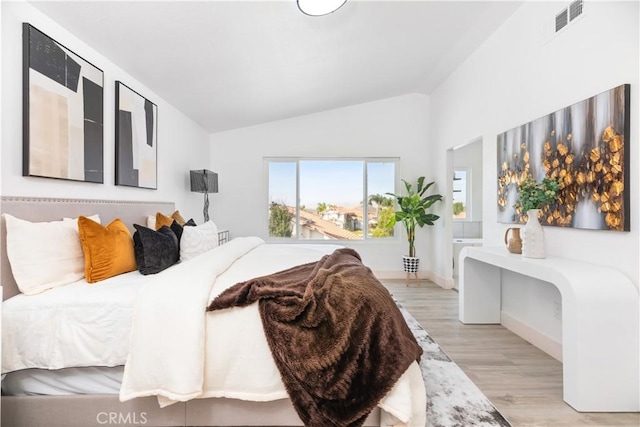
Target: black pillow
[(155, 250), (177, 229)]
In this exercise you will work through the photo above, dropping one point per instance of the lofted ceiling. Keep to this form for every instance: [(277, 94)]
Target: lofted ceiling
[(232, 64)]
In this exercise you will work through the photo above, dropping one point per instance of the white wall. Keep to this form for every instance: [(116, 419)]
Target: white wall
[(519, 75), (395, 127), (182, 144)]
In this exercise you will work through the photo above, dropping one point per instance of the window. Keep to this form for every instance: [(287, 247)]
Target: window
[(461, 181), (331, 199)]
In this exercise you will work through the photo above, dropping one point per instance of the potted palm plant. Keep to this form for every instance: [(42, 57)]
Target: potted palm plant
[(413, 212)]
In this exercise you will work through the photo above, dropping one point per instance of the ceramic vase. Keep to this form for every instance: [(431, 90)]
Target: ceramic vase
[(514, 244), (410, 263), (533, 236)]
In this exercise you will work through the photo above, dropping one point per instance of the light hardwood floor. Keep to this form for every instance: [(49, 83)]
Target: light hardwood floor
[(523, 382)]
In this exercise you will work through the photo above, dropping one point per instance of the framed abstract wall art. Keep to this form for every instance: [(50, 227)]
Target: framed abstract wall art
[(585, 148), (136, 139), (62, 111)]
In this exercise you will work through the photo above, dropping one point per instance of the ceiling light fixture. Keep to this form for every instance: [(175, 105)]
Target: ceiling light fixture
[(319, 7)]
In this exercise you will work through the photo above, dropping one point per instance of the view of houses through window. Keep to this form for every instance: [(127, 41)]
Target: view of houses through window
[(337, 199)]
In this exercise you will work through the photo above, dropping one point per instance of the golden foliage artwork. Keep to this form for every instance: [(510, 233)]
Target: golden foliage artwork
[(582, 147)]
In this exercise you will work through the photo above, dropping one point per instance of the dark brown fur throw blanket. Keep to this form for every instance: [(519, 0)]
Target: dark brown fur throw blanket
[(336, 335)]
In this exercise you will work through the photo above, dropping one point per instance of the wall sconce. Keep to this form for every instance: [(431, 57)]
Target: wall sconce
[(319, 7), (204, 181)]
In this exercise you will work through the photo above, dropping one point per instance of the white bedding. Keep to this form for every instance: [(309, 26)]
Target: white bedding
[(63, 382), (80, 324), (236, 360), (169, 339)]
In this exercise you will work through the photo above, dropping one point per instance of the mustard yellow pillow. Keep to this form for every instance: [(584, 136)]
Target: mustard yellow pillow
[(179, 219), (108, 251), (162, 219)]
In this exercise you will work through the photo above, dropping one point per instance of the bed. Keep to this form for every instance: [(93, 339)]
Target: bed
[(89, 384)]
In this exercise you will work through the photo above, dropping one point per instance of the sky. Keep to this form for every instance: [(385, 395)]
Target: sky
[(337, 182)]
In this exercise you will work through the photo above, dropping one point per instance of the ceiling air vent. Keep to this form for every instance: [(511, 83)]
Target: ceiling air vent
[(575, 9), (562, 19)]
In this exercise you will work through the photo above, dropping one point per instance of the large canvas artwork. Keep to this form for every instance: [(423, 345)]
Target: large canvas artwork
[(585, 148), (136, 139), (63, 111)]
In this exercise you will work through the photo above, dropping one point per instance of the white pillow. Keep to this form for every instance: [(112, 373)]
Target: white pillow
[(95, 218), (44, 255), (151, 222), (198, 239)]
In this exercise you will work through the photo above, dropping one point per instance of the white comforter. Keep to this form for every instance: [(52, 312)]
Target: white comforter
[(76, 325), (192, 354), (169, 326)]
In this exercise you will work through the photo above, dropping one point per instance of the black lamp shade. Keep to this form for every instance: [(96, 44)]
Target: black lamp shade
[(204, 181)]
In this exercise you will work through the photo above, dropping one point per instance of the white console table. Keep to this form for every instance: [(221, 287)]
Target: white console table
[(600, 322)]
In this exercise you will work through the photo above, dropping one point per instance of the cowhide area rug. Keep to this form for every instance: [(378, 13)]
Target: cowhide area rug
[(453, 400)]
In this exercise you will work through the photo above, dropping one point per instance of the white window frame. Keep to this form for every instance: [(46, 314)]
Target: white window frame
[(365, 225), (468, 204)]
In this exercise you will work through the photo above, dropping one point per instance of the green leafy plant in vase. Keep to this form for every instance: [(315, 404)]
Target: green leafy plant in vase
[(536, 195), (532, 197)]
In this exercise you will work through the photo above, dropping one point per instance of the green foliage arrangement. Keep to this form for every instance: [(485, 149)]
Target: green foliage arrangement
[(536, 195), (413, 210)]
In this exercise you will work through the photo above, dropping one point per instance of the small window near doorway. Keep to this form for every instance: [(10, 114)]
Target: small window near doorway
[(461, 195)]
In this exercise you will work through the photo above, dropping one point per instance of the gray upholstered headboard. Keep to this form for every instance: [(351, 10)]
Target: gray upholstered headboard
[(44, 209)]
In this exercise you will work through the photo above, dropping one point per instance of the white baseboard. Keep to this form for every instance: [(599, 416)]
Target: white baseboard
[(400, 275), (545, 343), (440, 281), (389, 274), (428, 275)]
